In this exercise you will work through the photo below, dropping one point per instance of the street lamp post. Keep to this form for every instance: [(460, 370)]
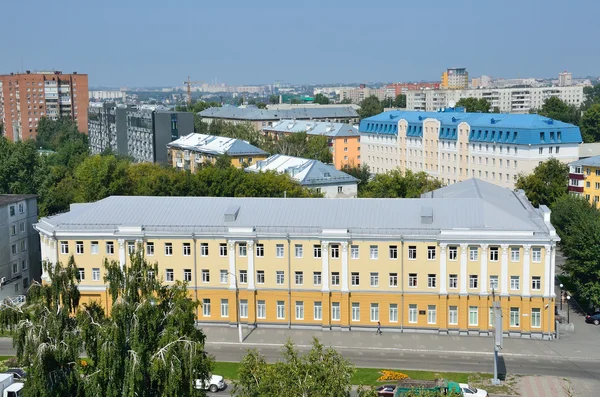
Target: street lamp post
[(239, 310), (561, 296), (568, 310)]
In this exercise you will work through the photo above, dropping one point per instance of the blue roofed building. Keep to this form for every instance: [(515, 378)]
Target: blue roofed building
[(453, 145)]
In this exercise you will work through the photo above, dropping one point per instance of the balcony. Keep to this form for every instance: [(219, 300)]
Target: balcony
[(578, 189), (579, 177)]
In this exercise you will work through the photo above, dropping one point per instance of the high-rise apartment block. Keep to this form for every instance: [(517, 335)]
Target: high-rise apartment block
[(455, 79), (565, 79), (27, 97), (139, 132)]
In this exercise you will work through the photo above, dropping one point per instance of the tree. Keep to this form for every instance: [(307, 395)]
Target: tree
[(321, 372), (592, 96), (393, 184), (400, 101), (474, 105), (273, 99), (1, 128), (261, 105), (346, 101), (321, 99), (362, 173), (98, 177), (547, 183), (370, 107), (295, 101), (557, 109), (590, 124)]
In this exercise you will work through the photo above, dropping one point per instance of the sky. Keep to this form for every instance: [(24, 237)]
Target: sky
[(135, 43)]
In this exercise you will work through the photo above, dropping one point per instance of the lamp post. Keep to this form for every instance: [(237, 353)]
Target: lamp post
[(239, 310), (568, 309), (562, 296)]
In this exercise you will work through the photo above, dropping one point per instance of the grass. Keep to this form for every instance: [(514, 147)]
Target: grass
[(365, 376)]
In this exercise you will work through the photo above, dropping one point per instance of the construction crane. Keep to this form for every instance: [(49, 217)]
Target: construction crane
[(189, 89)]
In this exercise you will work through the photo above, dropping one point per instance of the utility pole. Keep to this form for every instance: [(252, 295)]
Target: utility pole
[(498, 340)]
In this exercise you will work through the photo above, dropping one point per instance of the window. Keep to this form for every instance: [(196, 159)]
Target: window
[(374, 252), (149, 248), (412, 252), (514, 282), (335, 311), (453, 281), (514, 316), (393, 312), (24, 246), (206, 307), (431, 252), (473, 281), (224, 308), (279, 277), (260, 277), (473, 253), (541, 150), (340, 189), (81, 272), (12, 210), (22, 227), (14, 249), (431, 280), (412, 279), (13, 230), (374, 312), (393, 252), (536, 283), (393, 280), (24, 264), (64, 247), (473, 315), (335, 278), (169, 275), (299, 278), (355, 278), (374, 279), (299, 310), (244, 308), (224, 276), (205, 276), (536, 255), (355, 311), (243, 277), (203, 249), (335, 251), (536, 318), (354, 252), (243, 249), (494, 254), (280, 310), (222, 249), (110, 248), (261, 309), (187, 249), (168, 249), (316, 278), (79, 247), (493, 282), (130, 247), (453, 315), (453, 253), (317, 311), (94, 248), (316, 251), (299, 251), (431, 314), (187, 275), (412, 314), (514, 254), (279, 250), (260, 250)]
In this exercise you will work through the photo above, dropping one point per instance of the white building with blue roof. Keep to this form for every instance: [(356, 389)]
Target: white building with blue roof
[(454, 145)]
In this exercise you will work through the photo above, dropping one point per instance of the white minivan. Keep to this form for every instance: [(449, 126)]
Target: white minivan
[(214, 383)]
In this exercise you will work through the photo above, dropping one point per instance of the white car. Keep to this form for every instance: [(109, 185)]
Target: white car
[(214, 384), (470, 391)]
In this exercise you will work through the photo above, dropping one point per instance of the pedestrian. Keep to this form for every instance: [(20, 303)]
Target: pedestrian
[(378, 328)]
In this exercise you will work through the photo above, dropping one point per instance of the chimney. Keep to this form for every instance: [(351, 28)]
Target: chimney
[(426, 215)]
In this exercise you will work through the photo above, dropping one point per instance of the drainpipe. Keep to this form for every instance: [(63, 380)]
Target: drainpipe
[(402, 280), (289, 282), (195, 274)]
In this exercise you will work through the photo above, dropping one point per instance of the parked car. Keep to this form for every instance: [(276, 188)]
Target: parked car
[(593, 318), (386, 391), (215, 383), (470, 391), (18, 373)]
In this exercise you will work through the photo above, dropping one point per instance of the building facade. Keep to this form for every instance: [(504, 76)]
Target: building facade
[(403, 88), (194, 150), (565, 79), (343, 139), (415, 265), (506, 100), (27, 97), (102, 95), (584, 179), (20, 260), (358, 94), (453, 146), (455, 79)]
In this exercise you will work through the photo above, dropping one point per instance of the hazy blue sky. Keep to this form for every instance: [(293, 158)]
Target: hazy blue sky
[(151, 42)]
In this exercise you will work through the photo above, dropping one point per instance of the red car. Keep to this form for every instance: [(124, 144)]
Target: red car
[(386, 391)]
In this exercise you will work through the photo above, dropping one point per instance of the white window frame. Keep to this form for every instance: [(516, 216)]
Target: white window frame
[(299, 277), (169, 275), (186, 248), (536, 281), (393, 280), (473, 314), (317, 310), (355, 311), (453, 253), (317, 251), (280, 310), (299, 310), (243, 308), (335, 251), (473, 281), (223, 276), (515, 283), (299, 250), (494, 254), (374, 278), (261, 309), (515, 254), (222, 249), (413, 280), (64, 247), (243, 276), (317, 278), (494, 282), (393, 252), (453, 281), (393, 313), (413, 314), (260, 277), (279, 251), (335, 278), (431, 252), (224, 307), (187, 275), (431, 314), (242, 250), (279, 277), (203, 249), (94, 248), (354, 252), (412, 252), (260, 250), (514, 315), (79, 247), (206, 276), (205, 307), (95, 274), (168, 249), (536, 313), (374, 312), (431, 280), (335, 311), (473, 254), (374, 252), (355, 278), (149, 248), (453, 315), (536, 255)]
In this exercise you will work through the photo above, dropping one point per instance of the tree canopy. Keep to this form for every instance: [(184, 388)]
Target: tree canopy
[(370, 107), (590, 124), (474, 105), (400, 101), (273, 99), (321, 99), (548, 182), (346, 101), (557, 109), (394, 184), (592, 95)]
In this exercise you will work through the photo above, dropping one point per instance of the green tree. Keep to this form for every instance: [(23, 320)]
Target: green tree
[(98, 177), (393, 184), (346, 101), (592, 95), (1, 128), (295, 101), (362, 173), (557, 109), (261, 105), (321, 99), (474, 105), (273, 99), (547, 183), (400, 101), (590, 124), (19, 163), (370, 106)]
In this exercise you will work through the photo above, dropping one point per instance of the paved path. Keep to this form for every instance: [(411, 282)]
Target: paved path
[(543, 386)]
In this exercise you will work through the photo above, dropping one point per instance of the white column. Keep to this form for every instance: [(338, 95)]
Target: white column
[(344, 267), (443, 269), (552, 270), (504, 270), (463, 268), (250, 253), (547, 272), (325, 266), (483, 270), (231, 252), (526, 269), (121, 252)]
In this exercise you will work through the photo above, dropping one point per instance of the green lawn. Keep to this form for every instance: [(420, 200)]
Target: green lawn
[(363, 376)]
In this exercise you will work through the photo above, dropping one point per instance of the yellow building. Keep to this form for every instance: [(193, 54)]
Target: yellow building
[(193, 150), (433, 264), (455, 79), (584, 179)]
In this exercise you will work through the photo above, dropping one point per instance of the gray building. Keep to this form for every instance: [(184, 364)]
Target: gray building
[(20, 259), (141, 133)]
